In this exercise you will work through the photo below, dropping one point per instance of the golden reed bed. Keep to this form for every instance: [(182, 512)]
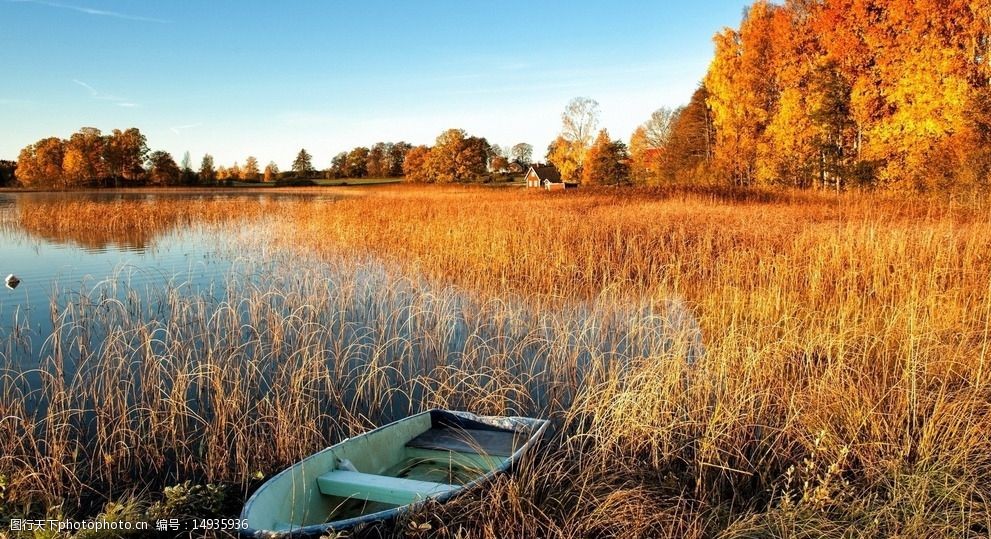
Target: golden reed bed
[(843, 390)]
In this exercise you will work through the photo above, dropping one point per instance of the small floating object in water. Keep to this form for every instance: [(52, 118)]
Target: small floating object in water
[(12, 281), (378, 475)]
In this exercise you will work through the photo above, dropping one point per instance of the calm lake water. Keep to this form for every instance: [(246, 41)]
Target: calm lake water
[(52, 265), (58, 263)]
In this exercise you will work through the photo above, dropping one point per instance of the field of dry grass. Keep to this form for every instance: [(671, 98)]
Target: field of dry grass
[(718, 364)]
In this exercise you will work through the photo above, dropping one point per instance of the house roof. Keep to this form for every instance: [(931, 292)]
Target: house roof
[(546, 172)]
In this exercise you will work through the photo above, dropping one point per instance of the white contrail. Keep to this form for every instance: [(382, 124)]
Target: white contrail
[(91, 11), (178, 128), (97, 94)]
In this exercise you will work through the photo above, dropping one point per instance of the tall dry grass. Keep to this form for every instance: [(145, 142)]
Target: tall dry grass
[(840, 387)]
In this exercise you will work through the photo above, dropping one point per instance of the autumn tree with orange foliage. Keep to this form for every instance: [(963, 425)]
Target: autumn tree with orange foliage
[(87, 158), (742, 92), (415, 165), (124, 155), (40, 164), (456, 157), (837, 93), (606, 162), (271, 172), (250, 172), (83, 162), (643, 158)]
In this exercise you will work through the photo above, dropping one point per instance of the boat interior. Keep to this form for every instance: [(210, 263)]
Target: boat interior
[(414, 459)]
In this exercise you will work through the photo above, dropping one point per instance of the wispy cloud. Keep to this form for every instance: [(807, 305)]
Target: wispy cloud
[(92, 11), (103, 96), (96, 94), (176, 129)]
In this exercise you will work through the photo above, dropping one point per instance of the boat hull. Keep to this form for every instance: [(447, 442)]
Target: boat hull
[(377, 476)]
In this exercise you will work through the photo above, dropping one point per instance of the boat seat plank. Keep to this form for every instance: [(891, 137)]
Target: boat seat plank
[(378, 488), (484, 442)]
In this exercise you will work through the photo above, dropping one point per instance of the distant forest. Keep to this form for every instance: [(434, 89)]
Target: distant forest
[(89, 158), (809, 93)]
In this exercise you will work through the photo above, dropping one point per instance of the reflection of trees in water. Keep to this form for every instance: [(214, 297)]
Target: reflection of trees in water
[(8, 216), (126, 221)]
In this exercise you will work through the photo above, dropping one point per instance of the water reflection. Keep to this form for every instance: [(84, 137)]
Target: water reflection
[(122, 221), (61, 241)]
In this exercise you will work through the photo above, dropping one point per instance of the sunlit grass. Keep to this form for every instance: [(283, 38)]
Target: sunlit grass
[(716, 364)]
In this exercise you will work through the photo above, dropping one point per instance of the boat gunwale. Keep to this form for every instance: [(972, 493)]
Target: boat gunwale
[(539, 427)]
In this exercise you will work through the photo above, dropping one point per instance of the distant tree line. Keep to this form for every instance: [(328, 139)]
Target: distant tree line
[(458, 157), (249, 172), (120, 159), (382, 160), (671, 145), (90, 159)]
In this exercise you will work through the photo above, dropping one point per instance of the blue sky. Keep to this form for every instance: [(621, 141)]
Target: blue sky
[(239, 78)]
